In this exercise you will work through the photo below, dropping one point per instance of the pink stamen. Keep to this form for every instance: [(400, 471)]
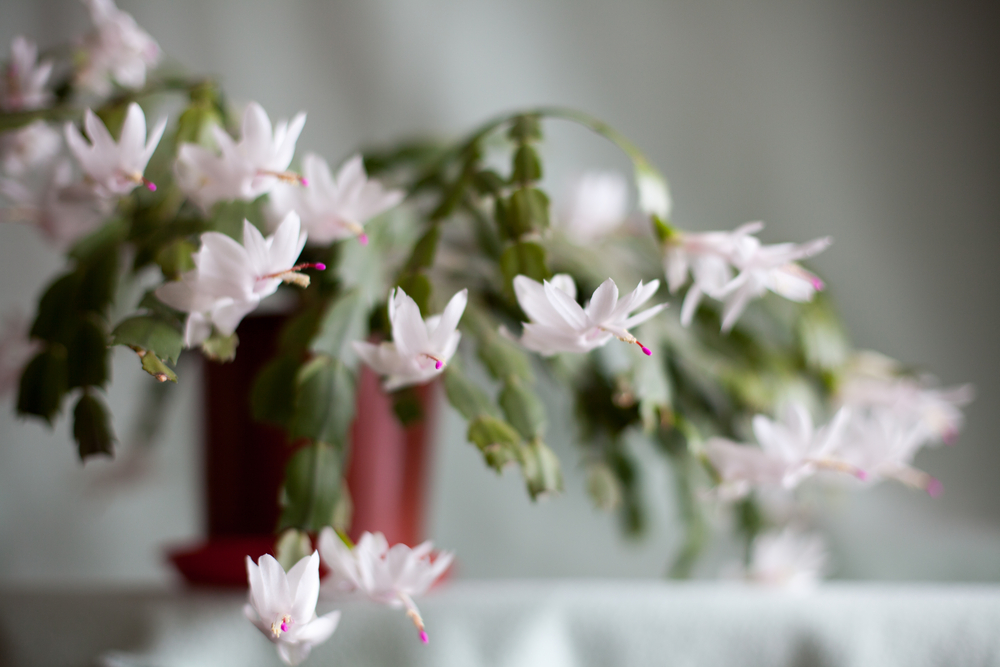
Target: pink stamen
[(438, 363), (817, 284), (861, 474), (308, 265), (149, 184), (284, 626), (319, 266), (950, 437), (934, 487), (363, 239), (646, 350), (304, 181), (423, 636)]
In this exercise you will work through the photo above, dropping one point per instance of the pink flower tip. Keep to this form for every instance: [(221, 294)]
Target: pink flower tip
[(363, 239), (304, 181), (151, 186), (647, 351), (438, 364), (423, 636), (320, 266), (934, 487), (818, 284)]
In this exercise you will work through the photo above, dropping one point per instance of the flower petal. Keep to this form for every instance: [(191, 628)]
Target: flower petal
[(568, 309), (408, 330), (441, 334), (603, 302), (303, 583), (535, 304)]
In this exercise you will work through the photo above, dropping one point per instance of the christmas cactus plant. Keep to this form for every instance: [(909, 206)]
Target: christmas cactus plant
[(426, 262)]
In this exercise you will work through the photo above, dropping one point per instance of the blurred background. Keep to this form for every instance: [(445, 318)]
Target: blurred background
[(874, 121)]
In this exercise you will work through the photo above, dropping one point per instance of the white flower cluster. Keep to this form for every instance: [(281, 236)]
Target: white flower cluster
[(883, 422), (283, 605), (115, 51), (713, 257), (43, 187), (39, 180)]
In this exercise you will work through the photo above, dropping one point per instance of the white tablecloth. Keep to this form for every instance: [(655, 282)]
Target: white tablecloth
[(528, 623)]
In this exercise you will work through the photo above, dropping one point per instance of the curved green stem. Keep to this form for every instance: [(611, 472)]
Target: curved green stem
[(639, 160), (649, 181), (16, 119)]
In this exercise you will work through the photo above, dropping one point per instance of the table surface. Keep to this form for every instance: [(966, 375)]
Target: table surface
[(554, 623)]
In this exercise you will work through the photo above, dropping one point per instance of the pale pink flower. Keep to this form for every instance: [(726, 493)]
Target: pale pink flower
[(774, 268), (790, 451), (242, 170), (391, 576), (787, 559), (229, 280), (115, 167), (709, 256), (23, 85), (559, 324), (420, 348), (116, 50), (283, 606), (884, 444), (334, 209), (935, 412)]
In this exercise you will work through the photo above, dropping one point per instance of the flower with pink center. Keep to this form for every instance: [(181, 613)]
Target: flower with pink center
[(115, 168), (420, 348), (559, 324), (884, 444), (23, 85), (242, 170), (712, 257), (283, 606), (229, 280), (334, 208), (709, 256), (117, 50), (770, 267), (790, 451), (391, 576), (872, 381)]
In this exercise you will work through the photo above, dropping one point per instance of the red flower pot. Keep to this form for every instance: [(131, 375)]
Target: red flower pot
[(245, 463)]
